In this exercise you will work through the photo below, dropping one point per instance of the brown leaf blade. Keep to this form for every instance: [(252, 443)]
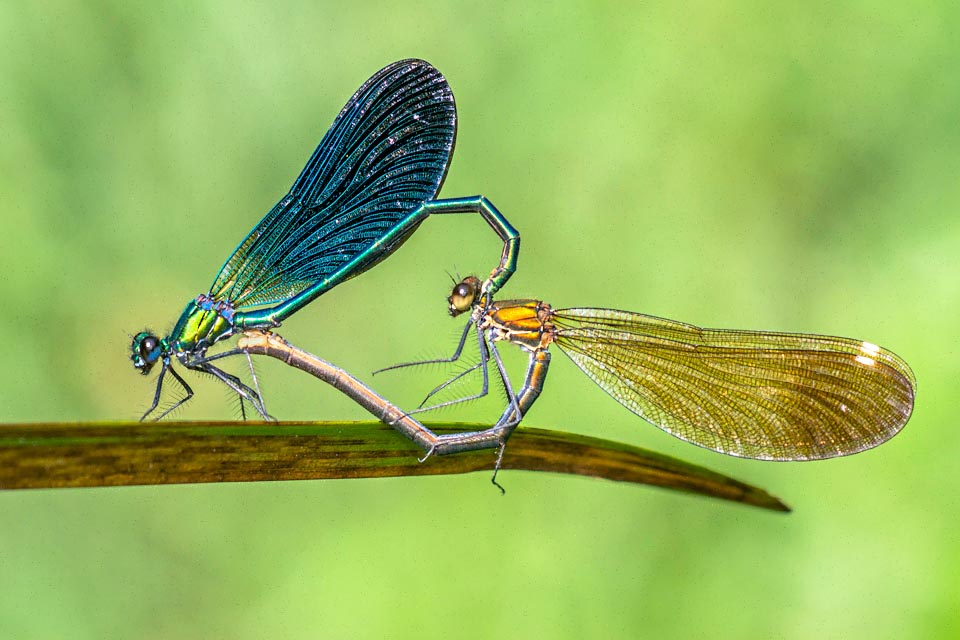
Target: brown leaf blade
[(35, 456)]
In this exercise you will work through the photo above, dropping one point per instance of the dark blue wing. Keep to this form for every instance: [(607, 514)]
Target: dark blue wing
[(385, 154)]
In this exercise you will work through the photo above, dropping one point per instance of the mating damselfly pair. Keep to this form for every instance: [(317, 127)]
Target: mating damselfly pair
[(375, 177)]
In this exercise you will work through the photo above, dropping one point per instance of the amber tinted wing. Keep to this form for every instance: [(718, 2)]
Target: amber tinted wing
[(774, 396)]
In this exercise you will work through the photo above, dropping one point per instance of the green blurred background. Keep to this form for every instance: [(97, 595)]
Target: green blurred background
[(744, 167)]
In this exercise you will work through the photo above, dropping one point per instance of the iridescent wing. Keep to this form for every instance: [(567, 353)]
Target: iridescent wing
[(773, 396), (385, 154)]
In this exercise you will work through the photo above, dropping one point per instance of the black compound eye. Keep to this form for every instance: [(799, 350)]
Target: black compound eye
[(148, 345)]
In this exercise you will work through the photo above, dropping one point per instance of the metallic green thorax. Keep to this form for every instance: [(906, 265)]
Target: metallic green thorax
[(201, 324)]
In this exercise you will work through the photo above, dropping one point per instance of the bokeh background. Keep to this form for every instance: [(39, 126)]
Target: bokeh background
[(751, 166)]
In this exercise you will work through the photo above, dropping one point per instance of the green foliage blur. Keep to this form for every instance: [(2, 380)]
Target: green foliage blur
[(745, 166)]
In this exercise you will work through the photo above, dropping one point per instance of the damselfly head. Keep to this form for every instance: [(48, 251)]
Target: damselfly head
[(146, 350), (464, 295)]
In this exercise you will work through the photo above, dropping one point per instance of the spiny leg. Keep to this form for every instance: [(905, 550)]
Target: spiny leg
[(234, 383), (250, 394), (156, 395), (253, 396), (512, 403), (532, 387), (449, 382), (453, 358), (256, 383), (244, 392), (484, 357), (183, 383), (488, 349), (504, 427)]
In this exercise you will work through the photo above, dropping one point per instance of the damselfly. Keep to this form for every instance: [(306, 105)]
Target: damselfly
[(366, 188), (752, 394)]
